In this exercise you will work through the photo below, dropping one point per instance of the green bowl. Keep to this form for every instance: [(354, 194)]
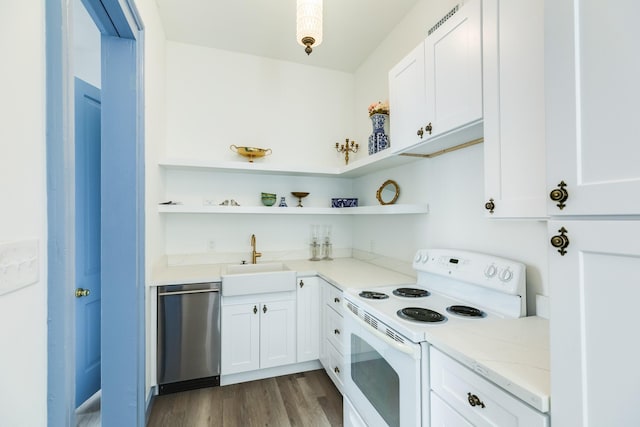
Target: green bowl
[(268, 199)]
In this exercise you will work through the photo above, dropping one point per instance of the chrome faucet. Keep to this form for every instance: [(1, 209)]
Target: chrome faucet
[(254, 254)]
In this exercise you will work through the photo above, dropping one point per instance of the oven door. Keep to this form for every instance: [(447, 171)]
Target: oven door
[(382, 380)]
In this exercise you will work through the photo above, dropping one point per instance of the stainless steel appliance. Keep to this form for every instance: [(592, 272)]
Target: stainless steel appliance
[(386, 330), (188, 353)]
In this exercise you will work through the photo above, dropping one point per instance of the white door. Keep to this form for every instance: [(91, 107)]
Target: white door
[(592, 107), (453, 70), (513, 98), (407, 101), (240, 330), (595, 289), (308, 319), (277, 333)]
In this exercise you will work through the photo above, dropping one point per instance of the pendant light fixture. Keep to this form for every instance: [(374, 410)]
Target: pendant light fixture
[(309, 23)]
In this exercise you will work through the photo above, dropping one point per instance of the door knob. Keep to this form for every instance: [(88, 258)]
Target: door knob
[(420, 133), (560, 241), (301, 283), (82, 292), (560, 194), (264, 308)]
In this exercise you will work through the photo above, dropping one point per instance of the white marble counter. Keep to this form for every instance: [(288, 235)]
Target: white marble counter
[(340, 272), (513, 353)]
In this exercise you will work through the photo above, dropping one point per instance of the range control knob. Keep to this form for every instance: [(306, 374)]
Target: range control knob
[(506, 275), (490, 271), (424, 258), (418, 256)]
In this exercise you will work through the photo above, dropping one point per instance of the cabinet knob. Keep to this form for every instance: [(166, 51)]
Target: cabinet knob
[(255, 309), (336, 331), (336, 300), (420, 133), (490, 206), (475, 400), (301, 283), (560, 241), (264, 308), (560, 195), (428, 128), (336, 370)]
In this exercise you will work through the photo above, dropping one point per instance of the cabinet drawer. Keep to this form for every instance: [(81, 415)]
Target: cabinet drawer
[(335, 367), (333, 328), (476, 399), (333, 298)]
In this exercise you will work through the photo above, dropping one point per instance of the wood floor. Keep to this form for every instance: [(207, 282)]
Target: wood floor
[(304, 399)]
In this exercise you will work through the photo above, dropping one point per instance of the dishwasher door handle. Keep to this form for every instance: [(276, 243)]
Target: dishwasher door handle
[(199, 291)]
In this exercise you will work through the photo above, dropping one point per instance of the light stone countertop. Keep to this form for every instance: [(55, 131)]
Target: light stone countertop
[(341, 272), (513, 353)]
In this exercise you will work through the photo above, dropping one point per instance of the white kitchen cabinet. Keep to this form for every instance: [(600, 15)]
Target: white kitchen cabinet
[(453, 70), (593, 176), (437, 88), (513, 99), (592, 107), (407, 101), (465, 395), (332, 351), (258, 335), (593, 309), (240, 338), (308, 318)]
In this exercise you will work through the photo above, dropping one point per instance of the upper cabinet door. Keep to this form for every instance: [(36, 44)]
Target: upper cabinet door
[(513, 98), (453, 71), (407, 102), (592, 108)]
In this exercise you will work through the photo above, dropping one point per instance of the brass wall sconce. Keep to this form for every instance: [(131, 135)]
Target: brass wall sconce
[(346, 149)]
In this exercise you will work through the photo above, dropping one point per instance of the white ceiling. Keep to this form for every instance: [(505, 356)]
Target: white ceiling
[(352, 28)]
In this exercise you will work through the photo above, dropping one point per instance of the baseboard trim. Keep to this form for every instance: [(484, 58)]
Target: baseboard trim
[(261, 374)]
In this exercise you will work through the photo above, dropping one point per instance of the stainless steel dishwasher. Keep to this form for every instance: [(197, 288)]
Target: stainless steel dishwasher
[(188, 337)]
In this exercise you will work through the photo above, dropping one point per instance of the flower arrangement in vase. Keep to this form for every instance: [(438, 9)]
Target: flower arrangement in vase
[(379, 114)]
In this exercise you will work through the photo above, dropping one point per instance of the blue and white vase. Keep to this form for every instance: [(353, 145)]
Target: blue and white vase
[(379, 139)]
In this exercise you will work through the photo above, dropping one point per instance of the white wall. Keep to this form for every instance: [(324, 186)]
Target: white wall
[(452, 184), (216, 98), (23, 327)]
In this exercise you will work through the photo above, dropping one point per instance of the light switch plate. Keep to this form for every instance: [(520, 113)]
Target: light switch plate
[(19, 265)]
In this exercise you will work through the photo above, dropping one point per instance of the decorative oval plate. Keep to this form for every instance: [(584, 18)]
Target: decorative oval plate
[(251, 152)]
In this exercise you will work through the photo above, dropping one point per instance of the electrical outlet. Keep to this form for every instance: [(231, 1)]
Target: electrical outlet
[(208, 202), (211, 244)]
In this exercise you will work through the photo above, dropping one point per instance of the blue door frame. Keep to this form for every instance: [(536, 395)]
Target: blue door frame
[(123, 354)]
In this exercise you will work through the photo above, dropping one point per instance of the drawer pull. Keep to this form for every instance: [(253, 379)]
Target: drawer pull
[(475, 400), (336, 370), (336, 300), (336, 331)]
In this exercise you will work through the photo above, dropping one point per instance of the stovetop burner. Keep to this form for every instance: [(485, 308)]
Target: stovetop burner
[(419, 314), (373, 295), (411, 292), (466, 311)]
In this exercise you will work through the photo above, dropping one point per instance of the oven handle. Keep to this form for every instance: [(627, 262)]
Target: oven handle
[(413, 352)]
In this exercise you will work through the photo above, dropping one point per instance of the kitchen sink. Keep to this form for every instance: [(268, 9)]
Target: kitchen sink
[(247, 279)]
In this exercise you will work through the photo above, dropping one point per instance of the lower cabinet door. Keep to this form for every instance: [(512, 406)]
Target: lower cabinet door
[(277, 333), (240, 337), (308, 319)]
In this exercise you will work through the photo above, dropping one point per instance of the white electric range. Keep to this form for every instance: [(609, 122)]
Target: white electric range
[(387, 378)]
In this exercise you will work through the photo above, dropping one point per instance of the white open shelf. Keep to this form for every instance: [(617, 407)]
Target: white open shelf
[(360, 210)]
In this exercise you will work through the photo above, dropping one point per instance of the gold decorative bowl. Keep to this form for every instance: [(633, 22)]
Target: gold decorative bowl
[(251, 152)]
